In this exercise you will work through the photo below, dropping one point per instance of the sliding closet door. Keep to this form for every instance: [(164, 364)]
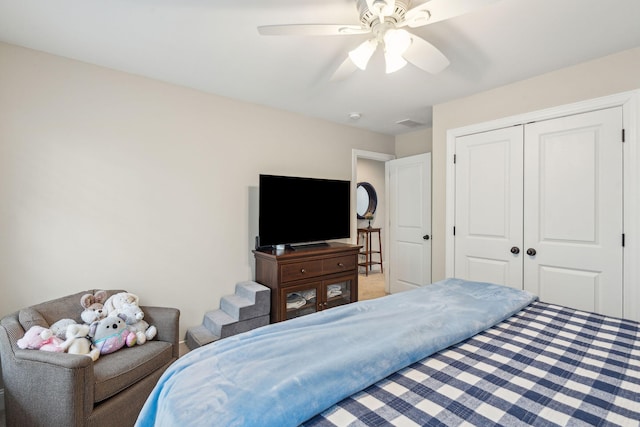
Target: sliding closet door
[(573, 211), (488, 214)]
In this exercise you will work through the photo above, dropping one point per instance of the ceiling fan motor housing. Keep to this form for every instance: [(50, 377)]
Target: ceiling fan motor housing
[(368, 18)]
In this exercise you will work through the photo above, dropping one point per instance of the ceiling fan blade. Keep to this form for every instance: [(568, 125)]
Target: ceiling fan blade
[(438, 10), (344, 70), (311, 30), (425, 56)]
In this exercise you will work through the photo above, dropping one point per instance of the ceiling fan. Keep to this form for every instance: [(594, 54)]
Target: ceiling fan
[(385, 19)]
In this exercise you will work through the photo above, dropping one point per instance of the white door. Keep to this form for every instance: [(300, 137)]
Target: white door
[(488, 213), (551, 191), (573, 211), (409, 183)]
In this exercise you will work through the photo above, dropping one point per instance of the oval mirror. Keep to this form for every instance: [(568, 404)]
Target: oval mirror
[(366, 199)]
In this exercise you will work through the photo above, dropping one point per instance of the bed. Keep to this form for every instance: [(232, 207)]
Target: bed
[(451, 353)]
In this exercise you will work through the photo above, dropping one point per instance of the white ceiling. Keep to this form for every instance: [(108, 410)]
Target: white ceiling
[(214, 46)]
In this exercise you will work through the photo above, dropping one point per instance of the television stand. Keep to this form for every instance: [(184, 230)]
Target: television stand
[(310, 280)]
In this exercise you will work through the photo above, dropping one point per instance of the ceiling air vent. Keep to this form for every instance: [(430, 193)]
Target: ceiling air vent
[(409, 123)]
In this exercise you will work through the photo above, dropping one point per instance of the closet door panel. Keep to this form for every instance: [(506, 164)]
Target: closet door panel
[(573, 211), (488, 214)]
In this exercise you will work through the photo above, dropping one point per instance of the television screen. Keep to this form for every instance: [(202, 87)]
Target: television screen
[(302, 210)]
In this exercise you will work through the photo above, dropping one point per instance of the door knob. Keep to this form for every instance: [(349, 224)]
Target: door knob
[(515, 250), (425, 237), (531, 252)]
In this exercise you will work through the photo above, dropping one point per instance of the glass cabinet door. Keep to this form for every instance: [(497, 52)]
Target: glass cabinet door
[(338, 292), (301, 300)]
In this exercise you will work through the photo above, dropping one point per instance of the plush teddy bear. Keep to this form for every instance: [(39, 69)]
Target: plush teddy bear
[(93, 307), (134, 319), (116, 301), (77, 341), (111, 334), (40, 338)]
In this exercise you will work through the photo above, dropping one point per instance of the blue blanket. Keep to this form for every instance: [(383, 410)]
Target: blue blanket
[(285, 373)]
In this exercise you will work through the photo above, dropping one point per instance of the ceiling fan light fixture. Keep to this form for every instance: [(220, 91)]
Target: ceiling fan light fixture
[(396, 42), (361, 55)]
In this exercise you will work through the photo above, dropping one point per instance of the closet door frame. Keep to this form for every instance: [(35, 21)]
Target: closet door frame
[(630, 103)]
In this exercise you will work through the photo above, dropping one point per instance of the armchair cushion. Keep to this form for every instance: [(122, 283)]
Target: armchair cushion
[(31, 317), (117, 371)]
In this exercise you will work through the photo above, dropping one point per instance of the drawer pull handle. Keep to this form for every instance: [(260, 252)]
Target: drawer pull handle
[(341, 265), (302, 270)]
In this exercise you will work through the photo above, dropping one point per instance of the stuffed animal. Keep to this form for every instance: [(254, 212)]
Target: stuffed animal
[(77, 341), (40, 338), (134, 319), (116, 301), (111, 334), (59, 328), (93, 307)]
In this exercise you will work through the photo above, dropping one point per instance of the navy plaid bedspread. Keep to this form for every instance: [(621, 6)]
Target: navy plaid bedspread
[(546, 365)]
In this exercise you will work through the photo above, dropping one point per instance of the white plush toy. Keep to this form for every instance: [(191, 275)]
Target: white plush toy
[(133, 316), (77, 342), (116, 301)]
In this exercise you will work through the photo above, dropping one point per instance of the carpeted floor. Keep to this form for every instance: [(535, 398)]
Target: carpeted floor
[(371, 286)]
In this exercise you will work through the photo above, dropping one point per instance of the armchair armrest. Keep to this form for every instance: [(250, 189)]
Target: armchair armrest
[(61, 374), (55, 360), (167, 320)]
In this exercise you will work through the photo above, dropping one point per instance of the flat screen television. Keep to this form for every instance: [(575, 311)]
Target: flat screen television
[(297, 210)]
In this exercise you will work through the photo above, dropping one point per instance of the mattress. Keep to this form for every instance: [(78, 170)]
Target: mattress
[(546, 365)]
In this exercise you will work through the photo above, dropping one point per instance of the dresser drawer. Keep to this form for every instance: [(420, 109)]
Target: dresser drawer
[(338, 264), (300, 270)]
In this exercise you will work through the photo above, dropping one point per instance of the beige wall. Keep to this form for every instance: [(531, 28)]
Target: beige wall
[(605, 76), (109, 180), (412, 143)]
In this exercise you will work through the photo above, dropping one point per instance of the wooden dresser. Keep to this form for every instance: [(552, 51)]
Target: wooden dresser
[(306, 280)]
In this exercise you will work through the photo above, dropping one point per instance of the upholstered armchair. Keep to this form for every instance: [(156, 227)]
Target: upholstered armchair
[(60, 389)]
